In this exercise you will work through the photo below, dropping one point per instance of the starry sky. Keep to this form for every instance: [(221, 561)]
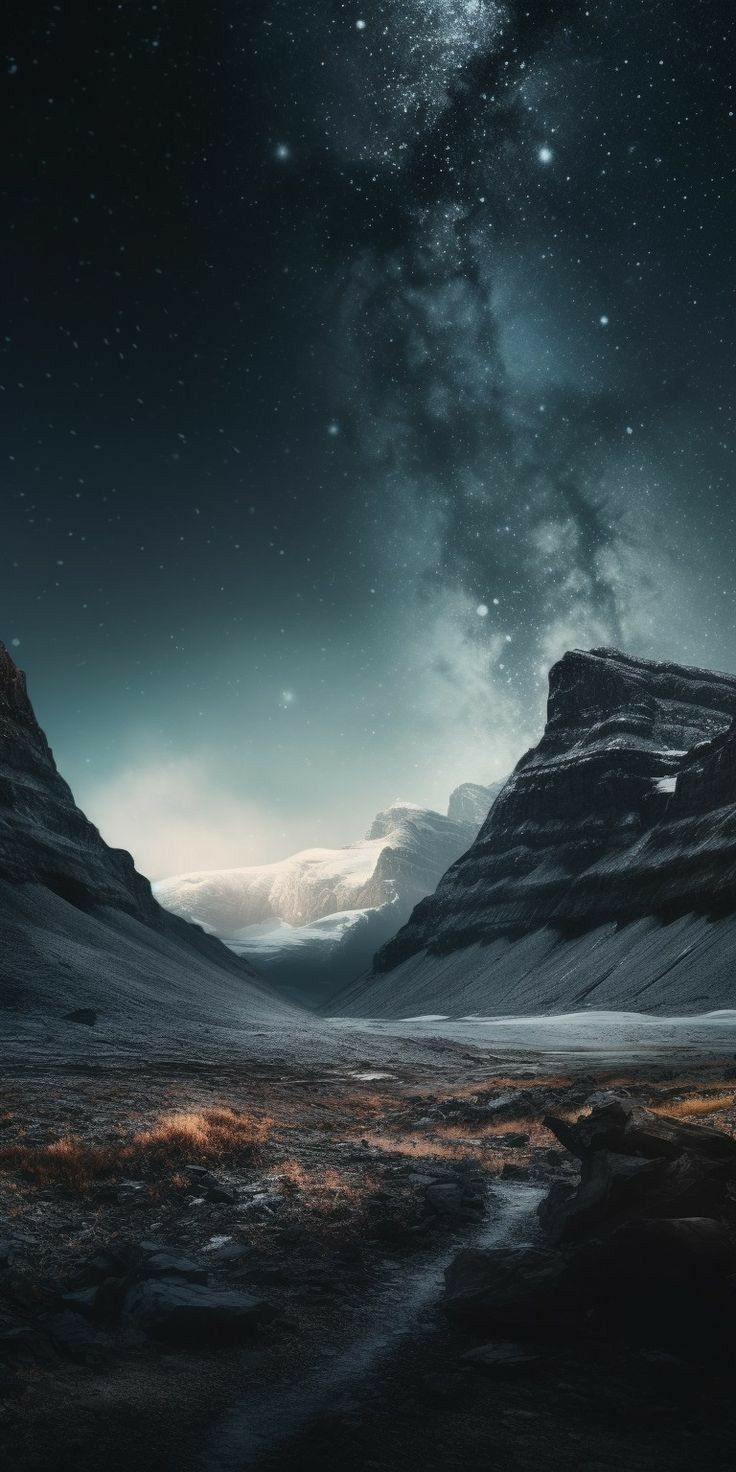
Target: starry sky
[(357, 360)]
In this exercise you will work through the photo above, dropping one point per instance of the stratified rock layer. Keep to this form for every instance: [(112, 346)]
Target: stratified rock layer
[(619, 824), (79, 927)]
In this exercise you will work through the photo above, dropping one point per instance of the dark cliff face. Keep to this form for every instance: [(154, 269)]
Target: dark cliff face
[(44, 838), (626, 808), (79, 925)]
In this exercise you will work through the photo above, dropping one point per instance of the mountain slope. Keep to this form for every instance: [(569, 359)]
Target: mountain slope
[(404, 853), (278, 913), (605, 873), (79, 927)]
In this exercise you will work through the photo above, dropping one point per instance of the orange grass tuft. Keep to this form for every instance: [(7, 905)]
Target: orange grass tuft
[(694, 1107), (327, 1190), (199, 1136)]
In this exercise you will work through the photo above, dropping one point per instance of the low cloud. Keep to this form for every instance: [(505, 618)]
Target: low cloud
[(174, 816)]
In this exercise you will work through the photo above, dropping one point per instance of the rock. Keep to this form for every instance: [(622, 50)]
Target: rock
[(495, 1358), (618, 1125), (16, 1337), (220, 1195), (514, 1140), (446, 1200), (509, 1289), (206, 1184), (87, 1016), (108, 1263), (75, 1339), (601, 867), (454, 1198), (162, 1264), (512, 1102), (230, 1254), (102, 1301), (7, 1252), (263, 1203), (609, 1185), (132, 1193), (613, 1187), (188, 1314), (515, 1172), (666, 1283)]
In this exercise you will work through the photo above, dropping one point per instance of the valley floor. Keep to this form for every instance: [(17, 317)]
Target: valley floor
[(336, 1196)]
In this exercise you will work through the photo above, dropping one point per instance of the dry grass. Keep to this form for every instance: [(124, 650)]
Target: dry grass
[(201, 1137), (694, 1107), (325, 1191), (419, 1147)]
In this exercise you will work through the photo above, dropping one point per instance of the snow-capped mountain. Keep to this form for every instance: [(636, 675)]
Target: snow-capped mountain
[(315, 919), (605, 873)]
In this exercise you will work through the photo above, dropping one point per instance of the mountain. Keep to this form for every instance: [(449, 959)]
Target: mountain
[(605, 873), (314, 920), (80, 929), (470, 803)]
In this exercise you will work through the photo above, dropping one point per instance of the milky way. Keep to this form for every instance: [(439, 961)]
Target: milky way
[(379, 356)]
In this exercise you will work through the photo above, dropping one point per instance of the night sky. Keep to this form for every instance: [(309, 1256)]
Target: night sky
[(356, 363)]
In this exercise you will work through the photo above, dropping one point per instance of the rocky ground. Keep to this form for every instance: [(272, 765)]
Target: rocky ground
[(440, 1266)]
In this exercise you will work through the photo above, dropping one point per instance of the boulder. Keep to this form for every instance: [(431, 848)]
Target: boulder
[(163, 1264), (102, 1301), (190, 1314), (107, 1263), (205, 1184), (454, 1199), (620, 1126), (511, 1290), (667, 1284), (75, 1339), (615, 1187)]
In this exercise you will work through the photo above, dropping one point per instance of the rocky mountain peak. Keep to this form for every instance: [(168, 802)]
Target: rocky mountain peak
[(471, 803), (392, 818), (623, 815), (19, 728)]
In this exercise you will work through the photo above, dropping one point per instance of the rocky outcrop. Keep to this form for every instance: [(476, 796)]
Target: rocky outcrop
[(640, 1251), (44, 837), (622, 818), (81, 936)]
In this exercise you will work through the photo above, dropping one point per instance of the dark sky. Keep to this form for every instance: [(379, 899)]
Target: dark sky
[(357, 361)]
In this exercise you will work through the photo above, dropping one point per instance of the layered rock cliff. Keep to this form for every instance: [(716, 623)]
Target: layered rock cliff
[(620, 822), (79, 926)]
